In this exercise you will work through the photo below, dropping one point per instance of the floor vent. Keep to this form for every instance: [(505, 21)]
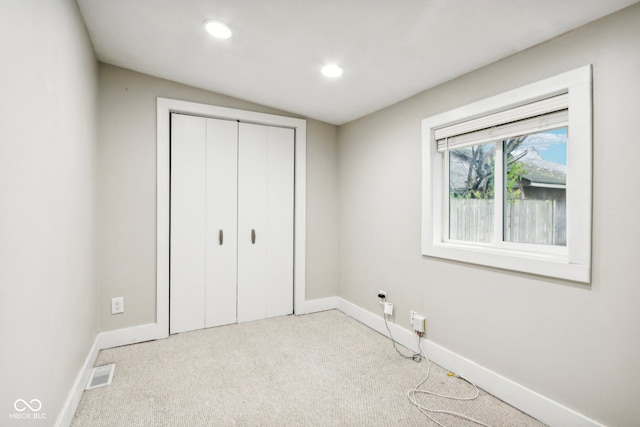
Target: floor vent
[(101, 375)]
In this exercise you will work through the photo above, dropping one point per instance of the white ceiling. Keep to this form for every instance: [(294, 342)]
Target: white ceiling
[(390, 49)]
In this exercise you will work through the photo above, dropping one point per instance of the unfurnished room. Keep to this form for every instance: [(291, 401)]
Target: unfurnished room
[(319, 213)]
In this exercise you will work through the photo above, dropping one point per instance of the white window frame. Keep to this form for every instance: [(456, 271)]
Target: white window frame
[(572, 263)]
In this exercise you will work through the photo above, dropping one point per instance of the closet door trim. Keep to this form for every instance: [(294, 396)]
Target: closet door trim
[(165, 107)]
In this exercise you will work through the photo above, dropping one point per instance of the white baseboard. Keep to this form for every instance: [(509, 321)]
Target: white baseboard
[(73, 399), (104, 340), (320, 304), (132, 335), (528, 401)]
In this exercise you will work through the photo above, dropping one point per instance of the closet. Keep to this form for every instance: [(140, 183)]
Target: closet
[(231, 222)]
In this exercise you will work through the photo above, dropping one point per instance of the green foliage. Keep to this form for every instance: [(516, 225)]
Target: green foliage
[(515, 173)]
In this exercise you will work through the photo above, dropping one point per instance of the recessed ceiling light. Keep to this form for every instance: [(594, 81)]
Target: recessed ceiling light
[(332, 70), (218, 29)]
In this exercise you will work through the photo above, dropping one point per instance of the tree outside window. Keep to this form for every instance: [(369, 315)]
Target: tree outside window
[(534, 190)]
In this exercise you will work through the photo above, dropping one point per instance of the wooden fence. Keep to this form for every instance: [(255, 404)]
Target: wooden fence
[(541, 222)]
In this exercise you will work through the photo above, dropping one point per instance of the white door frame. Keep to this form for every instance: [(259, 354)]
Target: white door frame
[(167, 106)]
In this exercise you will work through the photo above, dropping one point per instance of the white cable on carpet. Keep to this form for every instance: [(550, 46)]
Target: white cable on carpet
[(412, 392), (411, 395)]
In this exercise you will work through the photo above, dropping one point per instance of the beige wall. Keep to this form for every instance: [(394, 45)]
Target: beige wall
[(48, 87), (126, 261), (577, 345), (322, 210)]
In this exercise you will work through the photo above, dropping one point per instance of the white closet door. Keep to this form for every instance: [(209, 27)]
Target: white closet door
[(280, 209), (221, 214), (265, 221), (232, 206), (187, 264)]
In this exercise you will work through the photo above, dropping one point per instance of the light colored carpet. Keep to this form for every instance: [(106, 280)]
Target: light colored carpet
[(322, 369)]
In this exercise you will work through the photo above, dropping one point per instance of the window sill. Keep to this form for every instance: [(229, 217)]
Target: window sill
[(556, 266)]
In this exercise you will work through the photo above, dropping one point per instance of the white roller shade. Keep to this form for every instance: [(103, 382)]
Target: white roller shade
[(549, 113)]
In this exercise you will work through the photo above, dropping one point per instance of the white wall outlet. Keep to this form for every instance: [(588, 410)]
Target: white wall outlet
[(420, 324), (388, 308), (382, 295), (117, 305)]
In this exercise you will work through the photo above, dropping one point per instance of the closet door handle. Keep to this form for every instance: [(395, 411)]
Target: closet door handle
[(253, 236), (220, 237)]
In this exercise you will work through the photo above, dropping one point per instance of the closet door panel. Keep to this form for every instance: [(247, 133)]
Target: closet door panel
[(221, 217), (252, 222), (232, 231), (265, 205), (280, 182), (187, 263)]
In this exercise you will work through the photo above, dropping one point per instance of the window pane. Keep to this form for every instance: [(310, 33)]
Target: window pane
[(471, 193), (536, 188)]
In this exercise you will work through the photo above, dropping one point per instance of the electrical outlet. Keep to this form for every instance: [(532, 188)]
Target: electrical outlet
[(413, 315), (418, 322), (117, 305), (388, 308)]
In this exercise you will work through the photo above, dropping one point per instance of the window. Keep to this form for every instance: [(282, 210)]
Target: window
[(507, 180)]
